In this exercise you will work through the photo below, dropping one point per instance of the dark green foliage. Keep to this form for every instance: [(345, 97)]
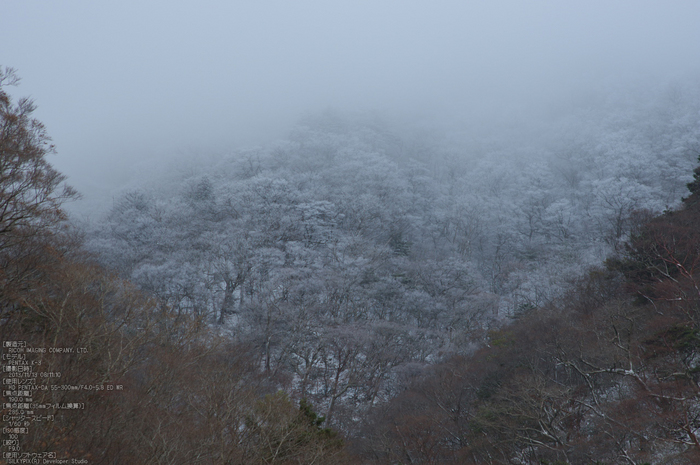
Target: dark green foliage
[(313, 423), (501, 338), (694, 186), (489, 386), (279, 433), (523, 309), (681, 338)]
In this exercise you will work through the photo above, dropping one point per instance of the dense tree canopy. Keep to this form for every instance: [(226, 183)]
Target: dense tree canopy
[(430, 297)]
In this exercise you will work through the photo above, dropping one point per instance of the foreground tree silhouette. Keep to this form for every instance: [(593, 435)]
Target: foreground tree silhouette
[(30, 199), (31, 191)]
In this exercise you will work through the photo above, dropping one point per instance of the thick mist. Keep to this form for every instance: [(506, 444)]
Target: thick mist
[(121, 84), (353, 232)]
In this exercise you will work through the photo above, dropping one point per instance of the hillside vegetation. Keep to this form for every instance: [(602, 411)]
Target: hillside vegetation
[(429, 293)]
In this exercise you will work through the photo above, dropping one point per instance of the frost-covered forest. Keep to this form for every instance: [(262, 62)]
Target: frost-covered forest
[(357, 251), (371, 290)]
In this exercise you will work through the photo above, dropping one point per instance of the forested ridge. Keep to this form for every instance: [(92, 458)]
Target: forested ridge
[(365, 292)]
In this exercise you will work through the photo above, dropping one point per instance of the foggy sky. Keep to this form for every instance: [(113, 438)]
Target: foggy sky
[(117, 83)]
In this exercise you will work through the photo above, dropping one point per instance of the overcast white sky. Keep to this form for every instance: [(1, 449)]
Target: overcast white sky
[(119, 82)]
